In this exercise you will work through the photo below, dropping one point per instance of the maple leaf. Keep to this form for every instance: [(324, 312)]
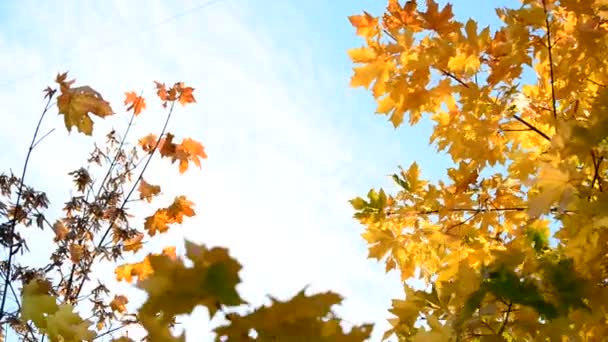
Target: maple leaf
[(119, 303), (147, 191), (439, 21), (185, 94), (188, 150), (76, 253), (65, 325), (141, 269), (554, 185), (60, 230), (522, 148), (175, 289), (76, 103), (192, 151), (167, 147), (175, 213), (308, 317), (366, 24), (135, 102), (133, 244), (37, 303), (161, 91), (159, 222), (148, 142)]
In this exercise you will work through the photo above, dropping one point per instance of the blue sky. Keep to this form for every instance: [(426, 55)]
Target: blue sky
[(289, 142)]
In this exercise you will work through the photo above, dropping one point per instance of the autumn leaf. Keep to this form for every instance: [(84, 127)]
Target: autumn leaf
[(66, 325), (173, 214), (60, 230), (193, 151), (148, 142), (119, 303), (308, 317), (76, 103), (142, 269), (185, 94), (516, 148), (133, 244), (161, 91), (135, 102), (187, 151), (76, 253), (439, 21), (37, 303), (147, 191), (366, 24), (175, 289)]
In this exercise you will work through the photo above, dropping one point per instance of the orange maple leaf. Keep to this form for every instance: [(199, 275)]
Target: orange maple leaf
[(148, 142), (147, 191), (175, 213), (161, 91), (185, 94), (179, 208), (193, 150), (137, 103), (188, 150)]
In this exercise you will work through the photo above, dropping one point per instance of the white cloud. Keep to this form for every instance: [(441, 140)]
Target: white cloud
[(275, 187)]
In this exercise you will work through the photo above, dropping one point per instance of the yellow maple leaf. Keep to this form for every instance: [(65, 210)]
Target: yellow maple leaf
[(76, 252), (133, 244), (366, 24), (37, 303), (65, 325), (76, 103), (141, 269), (553, 184)]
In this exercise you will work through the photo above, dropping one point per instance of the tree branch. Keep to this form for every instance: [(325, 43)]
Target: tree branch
[(17, 202), (531, 127), (126, 198), (506, 319), (551, 72)]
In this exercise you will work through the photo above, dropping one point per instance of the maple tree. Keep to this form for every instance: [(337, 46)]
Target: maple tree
[(98, 226), (513, 244)]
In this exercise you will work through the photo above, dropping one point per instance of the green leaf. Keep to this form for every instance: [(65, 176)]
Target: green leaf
[(402, 183), (359, 203)]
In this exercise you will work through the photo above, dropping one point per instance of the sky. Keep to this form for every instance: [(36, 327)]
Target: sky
[(289, 143)]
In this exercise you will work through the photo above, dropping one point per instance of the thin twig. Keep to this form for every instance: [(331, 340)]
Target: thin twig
[(596, 168), (454, 77), (14, 221), (101, 188), (126, 199), (44, 136), (551, 72), (506, 319), (516, 117), (111, 331)]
